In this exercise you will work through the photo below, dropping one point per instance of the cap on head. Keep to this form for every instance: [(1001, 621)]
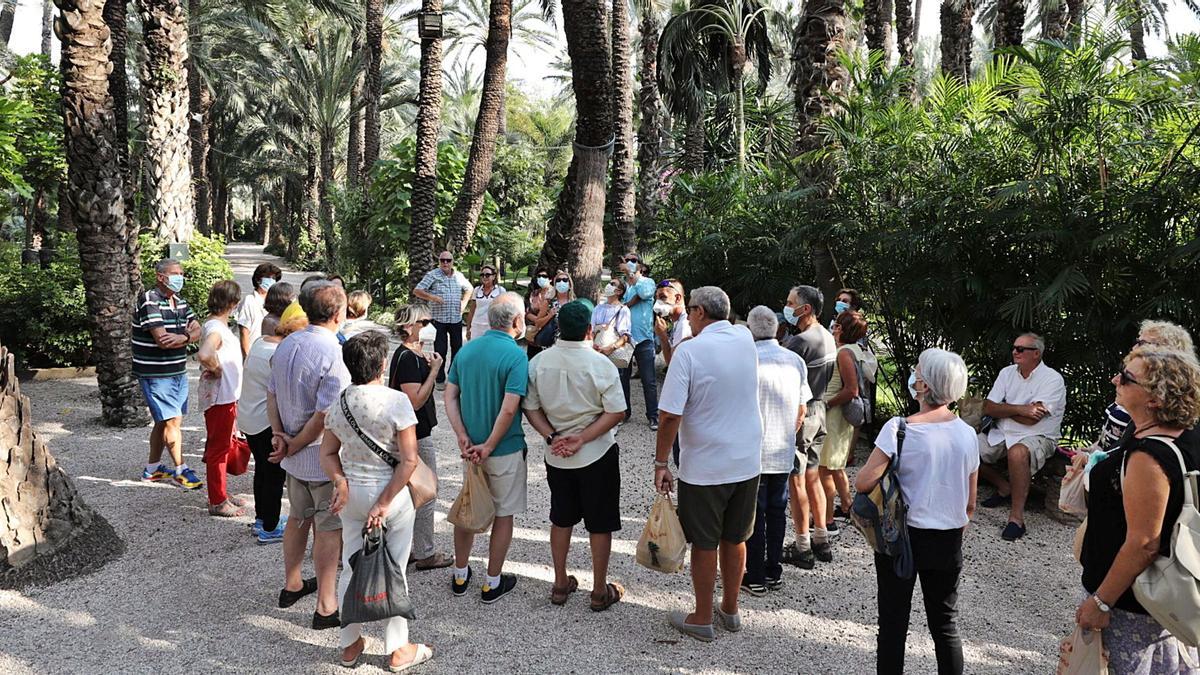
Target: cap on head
[(574, 319)]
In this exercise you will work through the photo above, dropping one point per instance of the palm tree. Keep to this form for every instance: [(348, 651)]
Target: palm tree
[(876, 24), (622, 194), (1055, 19), (373, 82), (1009, 29), (8, 13), (467, 208), (165, 90), (97, 204), (957, 41), (199, 101), (118, 88), (650, 129), (905, 31), (424, 197), (47, 23), (354, 140)]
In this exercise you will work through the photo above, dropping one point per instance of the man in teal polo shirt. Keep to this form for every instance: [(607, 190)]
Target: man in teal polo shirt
[(483, 400)]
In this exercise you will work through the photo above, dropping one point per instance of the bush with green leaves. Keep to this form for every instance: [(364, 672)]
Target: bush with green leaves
[(205, 266), (43, 316)]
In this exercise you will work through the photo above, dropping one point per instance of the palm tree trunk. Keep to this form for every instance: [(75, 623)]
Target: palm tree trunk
[(1075, 10), (465, 217), (1137, 32), (118, 87), (739, 92), (424, 198), (1054, 19), (354, 140), (165, 89), (693, 144), (821, 35), (650, 131), (1009, 30), (916, 23), (312, 200), (199, 101), (326, 186), (875, 23), (8, 13), (956, 18), (373, 84), (905, 37), (95, 198), (47, 26), (622, 191), (581, 213)]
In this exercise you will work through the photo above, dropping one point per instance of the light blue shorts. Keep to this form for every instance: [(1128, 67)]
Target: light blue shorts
[(167, 397)]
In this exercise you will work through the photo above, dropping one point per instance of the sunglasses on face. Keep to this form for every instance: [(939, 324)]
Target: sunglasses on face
[(487, 274), (1020, 349), (566, 281), (1125, 378), (543, 276), (632, 259), (424, 322), (446, 260)]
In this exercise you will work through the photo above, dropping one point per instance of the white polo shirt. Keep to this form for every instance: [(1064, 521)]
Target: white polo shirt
[(713, 384), (1044, 384)]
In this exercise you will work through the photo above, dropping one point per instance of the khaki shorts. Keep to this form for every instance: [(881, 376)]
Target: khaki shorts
[(310, 500), (506, 478), (1040, 449), (810, 439), (711, 514)]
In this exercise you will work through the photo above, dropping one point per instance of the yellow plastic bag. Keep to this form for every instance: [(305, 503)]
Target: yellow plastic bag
[(662, 546), (474, 509), (1082, 654)]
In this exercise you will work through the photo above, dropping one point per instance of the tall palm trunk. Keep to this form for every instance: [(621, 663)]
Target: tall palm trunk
[(1137, 30), (95, 198), (875, 26), (326, 188), (905, 37), (693, 144), (956, 18), (580, 209), (165, 89), (467, 208), (47, 26), (1075, 10), (1054, 19), (312, 199), (1009, 30), (118, 87), (622, 191), (650, 131), (916, 22), (8, 13), (373, 84), (199, 101), (354, 140), (424, 197)]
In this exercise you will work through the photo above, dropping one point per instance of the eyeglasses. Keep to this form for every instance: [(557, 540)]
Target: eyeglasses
[(689, 308), (446, 260), (1126, 379), (1021, 349), (1139, 342), (424, 322), (543, 276), (487, 274), (632, 259)]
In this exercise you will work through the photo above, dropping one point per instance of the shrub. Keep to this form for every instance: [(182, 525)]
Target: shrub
[(205, 266), (43, 315)]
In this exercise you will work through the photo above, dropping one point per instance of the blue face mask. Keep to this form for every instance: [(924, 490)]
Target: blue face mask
[(562, 286), (840, 306), (266, 283), (175, 282), (912, 384), (631, 266), (543, 282), (789, 315)]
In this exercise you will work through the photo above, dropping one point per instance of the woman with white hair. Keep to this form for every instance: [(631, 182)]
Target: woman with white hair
[(938, 474)]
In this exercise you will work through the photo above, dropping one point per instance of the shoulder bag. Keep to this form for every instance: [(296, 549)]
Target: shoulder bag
[(857, 410), (422, 485), (623, 354), (882, 514)]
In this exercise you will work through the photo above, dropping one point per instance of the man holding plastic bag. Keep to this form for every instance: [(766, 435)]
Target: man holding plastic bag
[(710, 398)]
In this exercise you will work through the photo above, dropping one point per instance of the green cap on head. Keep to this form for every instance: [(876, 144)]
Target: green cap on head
[(574, 319)]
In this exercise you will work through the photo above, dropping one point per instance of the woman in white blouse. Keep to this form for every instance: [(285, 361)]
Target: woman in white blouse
[(938, 473), (481, 298), (366, 490)]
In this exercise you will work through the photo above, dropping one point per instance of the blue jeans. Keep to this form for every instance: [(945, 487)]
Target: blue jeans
[(644, 353), (764, 551)]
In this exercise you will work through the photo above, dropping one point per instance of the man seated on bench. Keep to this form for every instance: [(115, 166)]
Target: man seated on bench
[(1027, 404)]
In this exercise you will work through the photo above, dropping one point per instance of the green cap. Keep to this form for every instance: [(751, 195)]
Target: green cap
[(574, 319)]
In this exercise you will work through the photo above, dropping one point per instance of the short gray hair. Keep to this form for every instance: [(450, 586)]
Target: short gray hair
[(504, 309), (165, 264), (1168, 334), (1039, 342), (713, 300), (944, 374), (762, 322), (811, 296)]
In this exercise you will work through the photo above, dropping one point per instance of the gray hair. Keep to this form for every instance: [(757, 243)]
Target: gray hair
[(504, 309), (762, 323), (811, 296), (713, 300), (944, 374), (1168, 335), (165, 264), (1039, 342), (407, 315)]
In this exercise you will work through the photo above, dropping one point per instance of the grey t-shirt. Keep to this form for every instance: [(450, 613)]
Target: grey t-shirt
[(817, 348)]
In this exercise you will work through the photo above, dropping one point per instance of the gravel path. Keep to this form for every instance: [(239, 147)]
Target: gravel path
[(196, 594)]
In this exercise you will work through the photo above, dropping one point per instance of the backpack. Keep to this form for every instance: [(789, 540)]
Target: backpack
[(882, 514)]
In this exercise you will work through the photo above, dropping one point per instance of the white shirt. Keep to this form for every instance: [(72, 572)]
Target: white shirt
[(782, 389), (479, 320), (227, 388), (936, 464), (250, 314), (1044, 384), (380, 412), (713, 384), (574, 384), (252, 408), (681, 331)]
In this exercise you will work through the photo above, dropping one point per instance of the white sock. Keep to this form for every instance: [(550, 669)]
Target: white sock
[(820, 535), (803, 542), (151, 467), (493, 581), (180, 468), (460, 573)]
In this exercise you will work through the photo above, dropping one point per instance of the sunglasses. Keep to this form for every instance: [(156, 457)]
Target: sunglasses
[(632, 259), (1021, 349), (424, 322), (562, 279), (543, 276), (487, 274), (1126, 379), (446, 260)]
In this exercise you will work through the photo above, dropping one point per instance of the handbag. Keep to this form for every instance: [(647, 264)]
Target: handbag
[(422, 484), (377, 588), (1169, 589), (238, 460), (881, 515), (621, 356), (857, 410)]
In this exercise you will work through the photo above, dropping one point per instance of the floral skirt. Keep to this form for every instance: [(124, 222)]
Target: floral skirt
[(1139, 645)]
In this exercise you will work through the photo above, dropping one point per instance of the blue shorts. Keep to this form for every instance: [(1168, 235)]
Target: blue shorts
[(166, 396)]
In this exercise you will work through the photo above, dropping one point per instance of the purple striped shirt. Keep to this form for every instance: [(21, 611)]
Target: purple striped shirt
[(307, 375)]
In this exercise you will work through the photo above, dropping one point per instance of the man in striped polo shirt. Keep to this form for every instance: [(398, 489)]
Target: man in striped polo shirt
[(163, 327), (447, 292)]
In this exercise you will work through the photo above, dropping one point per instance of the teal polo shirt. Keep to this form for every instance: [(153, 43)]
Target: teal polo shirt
[(486, 369)]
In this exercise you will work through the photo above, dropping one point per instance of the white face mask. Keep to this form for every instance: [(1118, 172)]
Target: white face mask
[(610, 290), (631, 266), (663, 308), (543, 282)]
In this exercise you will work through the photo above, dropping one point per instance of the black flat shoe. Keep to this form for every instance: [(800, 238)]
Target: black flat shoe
[(288, 598), (996, 501), (324, 621)]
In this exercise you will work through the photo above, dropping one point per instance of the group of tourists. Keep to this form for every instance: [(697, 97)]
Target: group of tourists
[(752, 420)]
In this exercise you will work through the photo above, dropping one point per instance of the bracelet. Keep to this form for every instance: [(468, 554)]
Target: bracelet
[(660, 465)]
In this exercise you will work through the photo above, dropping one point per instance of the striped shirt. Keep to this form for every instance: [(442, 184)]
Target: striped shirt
[(158, 311), (450, 288), (307, 375), (782, 389), (1116, 420)]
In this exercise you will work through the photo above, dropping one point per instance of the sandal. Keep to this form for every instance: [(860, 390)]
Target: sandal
[(613, 592), (559, 595), (434, 562), (424, 653), (238, 501), (226, 509)]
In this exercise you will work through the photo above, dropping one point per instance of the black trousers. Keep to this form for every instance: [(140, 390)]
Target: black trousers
[(938, 557), (268, 480), (454, 331)]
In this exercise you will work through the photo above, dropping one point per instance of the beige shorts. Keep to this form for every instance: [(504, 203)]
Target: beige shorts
[(507, 480), (310, 501), (1040, 449)]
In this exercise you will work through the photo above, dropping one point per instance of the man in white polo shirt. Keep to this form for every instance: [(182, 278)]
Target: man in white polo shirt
[(1027, 403), (710, 398)]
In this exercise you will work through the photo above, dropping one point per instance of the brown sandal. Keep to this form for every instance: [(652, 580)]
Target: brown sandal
[(433, 562), (613, 592), (226, 509), (559, 595)]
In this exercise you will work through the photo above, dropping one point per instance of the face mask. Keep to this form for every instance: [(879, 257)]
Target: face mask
[(543, 282), (631, 266), (663, 308), (840, 306), (912, 384), (789, 314), (266, 283), (562, 286), (175, 282), (610, 291)]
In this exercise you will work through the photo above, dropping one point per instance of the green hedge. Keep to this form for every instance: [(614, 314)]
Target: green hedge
[(205, 266), (43, 314)]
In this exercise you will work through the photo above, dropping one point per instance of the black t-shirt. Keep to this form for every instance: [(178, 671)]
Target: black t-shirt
[(410, 367), (1107, 528)]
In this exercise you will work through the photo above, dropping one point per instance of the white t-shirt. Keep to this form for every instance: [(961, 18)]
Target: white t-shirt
[(935, 470), (1044, 384), (380, 412), (681, 331), (252, 407), (250, 314), (782, 389), (479, 320), (713, 384), (228, 388)]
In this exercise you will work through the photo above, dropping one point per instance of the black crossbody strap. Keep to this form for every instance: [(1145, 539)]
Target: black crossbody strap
[(367, 440), (901, 431)]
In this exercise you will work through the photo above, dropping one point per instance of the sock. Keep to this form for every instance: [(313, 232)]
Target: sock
[(151, 467), (493, 581), (180, 468), (460, 573), (820, 535), (803, 542)]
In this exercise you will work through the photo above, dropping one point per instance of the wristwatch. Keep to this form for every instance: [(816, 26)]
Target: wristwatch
[(660, 465), (551, 437), (1101, 604)]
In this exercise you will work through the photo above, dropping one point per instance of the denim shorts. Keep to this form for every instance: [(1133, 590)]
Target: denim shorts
[(167, 397)]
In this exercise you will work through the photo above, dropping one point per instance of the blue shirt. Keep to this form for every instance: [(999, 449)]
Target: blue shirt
[(486, 369), (642, 314), (450, 288)]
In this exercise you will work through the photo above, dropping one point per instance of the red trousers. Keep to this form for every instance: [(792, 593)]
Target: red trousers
[(220, 422)]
